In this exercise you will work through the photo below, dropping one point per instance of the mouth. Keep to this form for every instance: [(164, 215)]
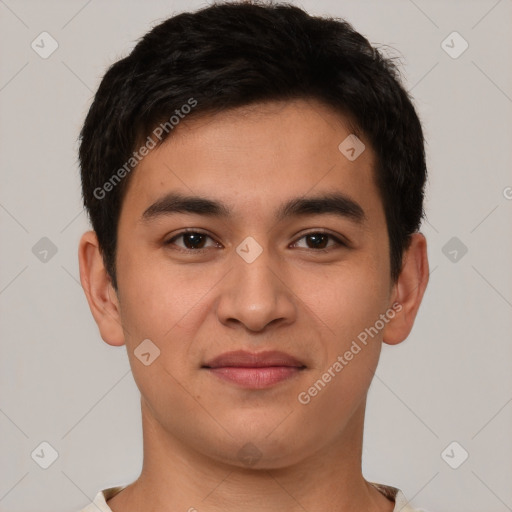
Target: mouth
[(254, 370)]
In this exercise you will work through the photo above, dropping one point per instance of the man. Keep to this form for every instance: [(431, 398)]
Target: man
[(254, 178)]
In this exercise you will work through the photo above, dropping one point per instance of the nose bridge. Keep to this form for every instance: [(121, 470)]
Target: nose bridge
[(253, 293)]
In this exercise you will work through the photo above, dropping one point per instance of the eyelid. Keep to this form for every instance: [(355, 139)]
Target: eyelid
[(170, 241), (340, 240)]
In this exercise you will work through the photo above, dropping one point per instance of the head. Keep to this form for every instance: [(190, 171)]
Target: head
[(288, 149)]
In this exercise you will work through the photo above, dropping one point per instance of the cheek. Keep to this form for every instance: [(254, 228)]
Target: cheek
[(162, 305), (345, 303), (156, 296), (167, 305), (346, 299)]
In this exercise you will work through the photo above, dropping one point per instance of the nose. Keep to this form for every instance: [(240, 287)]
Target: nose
[(255, 295)]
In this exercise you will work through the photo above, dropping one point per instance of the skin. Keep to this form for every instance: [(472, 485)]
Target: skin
[(309, 302)]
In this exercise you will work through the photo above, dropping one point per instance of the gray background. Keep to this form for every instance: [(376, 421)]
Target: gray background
[(450, 381)]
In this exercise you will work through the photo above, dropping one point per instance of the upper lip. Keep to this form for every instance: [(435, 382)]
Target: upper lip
[(245, 359)]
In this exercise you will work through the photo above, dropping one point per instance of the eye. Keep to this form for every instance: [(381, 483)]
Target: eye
[(191, 241), (319, 240), (197, 241)]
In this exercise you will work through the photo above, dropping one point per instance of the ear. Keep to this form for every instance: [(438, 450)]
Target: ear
[(408, 290), (100, 293)]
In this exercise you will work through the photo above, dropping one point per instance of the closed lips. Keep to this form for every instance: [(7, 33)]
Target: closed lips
[(244, 359)]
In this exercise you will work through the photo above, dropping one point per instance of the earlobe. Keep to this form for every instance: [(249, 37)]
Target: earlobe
[(408, 290), (97, 285)]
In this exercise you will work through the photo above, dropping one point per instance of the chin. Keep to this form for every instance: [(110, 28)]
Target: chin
[(263, 451)]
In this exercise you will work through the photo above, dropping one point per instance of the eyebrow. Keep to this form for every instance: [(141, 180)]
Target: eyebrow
[(332, 203)]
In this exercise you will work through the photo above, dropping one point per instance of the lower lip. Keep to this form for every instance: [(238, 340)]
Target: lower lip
[(255, 378)]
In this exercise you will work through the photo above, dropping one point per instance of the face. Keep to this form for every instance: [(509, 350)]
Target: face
[(253, 254)]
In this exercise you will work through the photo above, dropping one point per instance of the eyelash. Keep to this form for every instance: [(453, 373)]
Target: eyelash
[(337, 240)]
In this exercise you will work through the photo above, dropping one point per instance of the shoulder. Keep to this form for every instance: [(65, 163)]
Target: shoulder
[(99, 504), (401, 502)]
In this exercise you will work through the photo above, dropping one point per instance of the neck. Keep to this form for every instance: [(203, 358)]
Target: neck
[(174, 477)]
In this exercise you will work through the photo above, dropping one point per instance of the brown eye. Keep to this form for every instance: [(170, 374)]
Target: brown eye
[(190, 240), (193, 240), (319, 240)]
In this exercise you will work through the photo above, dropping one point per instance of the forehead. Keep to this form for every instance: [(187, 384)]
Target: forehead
[(255, 156)]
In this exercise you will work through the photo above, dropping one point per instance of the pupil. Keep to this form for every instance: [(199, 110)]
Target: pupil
[(318, 239), (193, 240)]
